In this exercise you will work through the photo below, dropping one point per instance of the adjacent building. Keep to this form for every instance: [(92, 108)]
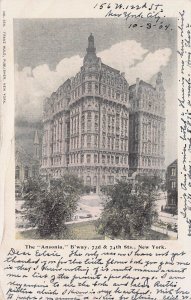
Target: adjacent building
[(26, 165), (99, 128), (147, 127), (172, 187)]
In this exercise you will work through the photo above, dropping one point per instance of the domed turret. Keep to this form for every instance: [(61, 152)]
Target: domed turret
[(91, 43), (90, 56)]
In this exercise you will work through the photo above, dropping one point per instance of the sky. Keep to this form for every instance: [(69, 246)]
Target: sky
[(48, 51)]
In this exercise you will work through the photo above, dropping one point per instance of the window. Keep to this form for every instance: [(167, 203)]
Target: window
[(89, 125), (96, 126), (89, 141), (108, 143), (95, 180), (82, 141), (117, 159), (103, 141), (121, 144), (17, 172), (89, 115), (117, 144), (89, 87), (96, 141), (112, 143), (95, 158), (173, 173), (96, 122), (103, 159), (83, 123), (34, 171), (82, 159), (26, 172), (118, 95), (83, 88), (68, 129), (149, 162), (88, 180), (88, 158), (173, 184)]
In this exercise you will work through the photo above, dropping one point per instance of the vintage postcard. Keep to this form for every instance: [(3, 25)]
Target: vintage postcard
[(105, 117), (95, 146)]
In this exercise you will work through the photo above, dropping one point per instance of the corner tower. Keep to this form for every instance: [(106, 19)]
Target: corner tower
[(90, 56)]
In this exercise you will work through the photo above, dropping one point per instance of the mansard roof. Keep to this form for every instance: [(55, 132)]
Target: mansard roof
[(110, 68), (142, 83), (175, 162)]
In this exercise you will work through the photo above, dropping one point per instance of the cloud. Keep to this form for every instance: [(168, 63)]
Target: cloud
[(33, 85), (151, 64), (123, 55)]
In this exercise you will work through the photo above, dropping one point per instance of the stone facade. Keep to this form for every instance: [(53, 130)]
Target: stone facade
[(86, 125), (147, 127)]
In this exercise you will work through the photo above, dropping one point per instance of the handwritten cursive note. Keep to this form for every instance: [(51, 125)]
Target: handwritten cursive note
[(104, 271), (153, 13), (184, 29)]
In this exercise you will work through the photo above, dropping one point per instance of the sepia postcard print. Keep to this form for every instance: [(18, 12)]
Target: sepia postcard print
[(105, 118), (95, 146)]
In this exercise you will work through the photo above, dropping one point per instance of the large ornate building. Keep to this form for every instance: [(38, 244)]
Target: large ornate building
[(98, 127), (147, 127)]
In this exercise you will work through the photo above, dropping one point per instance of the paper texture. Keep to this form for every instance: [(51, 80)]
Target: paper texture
[(95, 107)]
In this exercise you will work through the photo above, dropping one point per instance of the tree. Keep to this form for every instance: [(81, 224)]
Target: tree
[(129, 210), (154, 182), (48, 205)]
